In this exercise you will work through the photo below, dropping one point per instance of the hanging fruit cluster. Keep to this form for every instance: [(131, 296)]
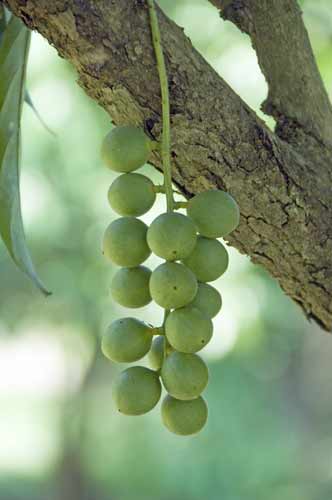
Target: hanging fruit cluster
[(192, 256), (179, 285)]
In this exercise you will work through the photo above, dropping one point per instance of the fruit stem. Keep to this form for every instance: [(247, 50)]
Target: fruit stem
[(166, 313), (158, 330), (159, 188), (154, 145), (166, 131), (180, 204)]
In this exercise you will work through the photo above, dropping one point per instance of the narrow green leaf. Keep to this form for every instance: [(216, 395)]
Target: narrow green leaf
[(30, 103), (13, 59), (2, 21), (27, 97)]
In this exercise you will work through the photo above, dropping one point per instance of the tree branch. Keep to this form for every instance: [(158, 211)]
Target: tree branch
[(297, 98), (217, 141)]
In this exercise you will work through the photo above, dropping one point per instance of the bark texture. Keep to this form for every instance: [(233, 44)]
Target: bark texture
[(282, 181), (296, 97)]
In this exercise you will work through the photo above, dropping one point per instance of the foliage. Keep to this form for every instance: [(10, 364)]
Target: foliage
[(14, 51)]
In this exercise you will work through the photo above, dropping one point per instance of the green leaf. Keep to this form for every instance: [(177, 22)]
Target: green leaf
[(27, 97), (30, 103), (2, 21), (13, 59)]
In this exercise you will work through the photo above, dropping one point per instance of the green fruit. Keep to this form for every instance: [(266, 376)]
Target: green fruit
[(137, 390), (125, 149), (209, 259), (156, 354), (215, 213), (125, 243), (131, 194), (172, 285), (126, 340), (184, 417), (130, 286), (184, 376), (188, 329), (172, 236), (207, 300)]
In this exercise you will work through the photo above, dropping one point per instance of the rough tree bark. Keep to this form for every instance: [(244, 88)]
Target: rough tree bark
[(282, 180)]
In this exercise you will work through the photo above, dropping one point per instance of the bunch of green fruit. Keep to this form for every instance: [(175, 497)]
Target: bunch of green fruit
[(193, 257)]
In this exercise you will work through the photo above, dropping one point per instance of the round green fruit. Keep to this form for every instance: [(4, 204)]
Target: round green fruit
[(172, 285), (188, 329), (126, 340), (125, 149), (184, 376), (156, 354), (125, 243), (136, 391), (130, 286), (172, 236), (184, 417), (207, 300), (131, 194), (214, 212), (209, 259)]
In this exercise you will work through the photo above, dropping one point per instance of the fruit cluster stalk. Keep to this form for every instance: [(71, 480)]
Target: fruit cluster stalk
[(166, 130)]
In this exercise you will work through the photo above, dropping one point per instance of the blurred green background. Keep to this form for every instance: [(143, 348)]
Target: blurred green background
[(269, 432)]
